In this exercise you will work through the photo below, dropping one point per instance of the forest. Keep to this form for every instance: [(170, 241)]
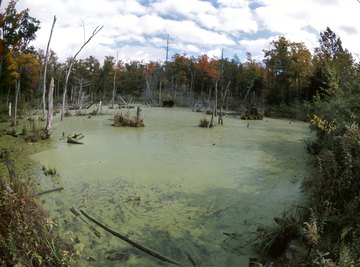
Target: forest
[(321, 87), (288, 76)]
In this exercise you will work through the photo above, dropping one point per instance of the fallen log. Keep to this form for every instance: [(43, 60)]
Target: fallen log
[(9, 164), (131, 242), (77, 214), (50, 191)]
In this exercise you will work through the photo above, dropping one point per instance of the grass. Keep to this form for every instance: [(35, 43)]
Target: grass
[(128, 121)]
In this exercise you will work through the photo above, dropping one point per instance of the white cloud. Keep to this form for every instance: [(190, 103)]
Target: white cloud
[(214, 53), (234, 3), (184, 8), (237, 20), (139, 28), (256, 47)]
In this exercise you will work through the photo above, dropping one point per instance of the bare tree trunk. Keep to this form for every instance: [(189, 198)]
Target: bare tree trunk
[(48, 128), (216, 99), (45, 68), (113, 91), (223, 97), (160, 93), (211, 124), (65, 89), (114, 81), (99, 108), (97, 29), (17, 92)]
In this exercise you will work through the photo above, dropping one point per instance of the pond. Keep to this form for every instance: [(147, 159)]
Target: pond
[(172, 186)]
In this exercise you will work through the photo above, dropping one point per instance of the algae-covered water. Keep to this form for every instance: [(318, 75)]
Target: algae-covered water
[(172, 186)]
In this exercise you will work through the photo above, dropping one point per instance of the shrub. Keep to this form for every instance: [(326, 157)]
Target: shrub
[(27, 236), (127, 120)]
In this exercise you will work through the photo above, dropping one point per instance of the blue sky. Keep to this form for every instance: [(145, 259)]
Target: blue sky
[(137, 29)]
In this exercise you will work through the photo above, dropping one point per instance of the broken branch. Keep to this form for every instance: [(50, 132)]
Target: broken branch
[(50, 191), (131, 242)]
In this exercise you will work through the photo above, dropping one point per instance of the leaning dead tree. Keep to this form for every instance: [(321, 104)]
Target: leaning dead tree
[(71, 62), (45, 68)]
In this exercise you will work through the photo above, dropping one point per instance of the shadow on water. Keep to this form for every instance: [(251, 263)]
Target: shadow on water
[(190, 194)]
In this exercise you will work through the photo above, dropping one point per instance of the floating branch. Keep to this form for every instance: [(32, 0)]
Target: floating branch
[(131, 242), (50, 191), (77, 214)]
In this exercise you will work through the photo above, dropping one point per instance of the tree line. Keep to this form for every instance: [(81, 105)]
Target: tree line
[(289, 73)]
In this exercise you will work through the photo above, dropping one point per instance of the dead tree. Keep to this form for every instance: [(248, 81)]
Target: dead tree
[(71, 62), (48, 128), (17, 92), (114, 81), (223, 97), (45, 68)]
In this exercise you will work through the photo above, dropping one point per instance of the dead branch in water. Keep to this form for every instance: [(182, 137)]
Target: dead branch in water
[(131, 242), (77, 214), (50, 191), (75, 138)]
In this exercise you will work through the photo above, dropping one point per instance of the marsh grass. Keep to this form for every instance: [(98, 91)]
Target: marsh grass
[(33, 132), (49, 171), (204, 123), (128, 120)]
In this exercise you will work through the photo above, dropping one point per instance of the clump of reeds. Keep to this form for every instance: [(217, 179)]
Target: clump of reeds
[(33, 132), (128, 120), (204, 123), (49, 171)]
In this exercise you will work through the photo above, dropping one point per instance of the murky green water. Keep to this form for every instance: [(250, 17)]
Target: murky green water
[(173, 186)]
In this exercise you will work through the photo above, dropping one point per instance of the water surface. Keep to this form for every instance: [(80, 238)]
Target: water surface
[(173, 186)]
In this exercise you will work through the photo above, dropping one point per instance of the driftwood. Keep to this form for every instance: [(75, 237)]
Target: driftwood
[(131, 242), (50, 191), (75, 138)]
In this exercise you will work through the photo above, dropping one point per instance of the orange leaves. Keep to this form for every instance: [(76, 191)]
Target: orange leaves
[(26, 62), (210, 68), (151, 68)]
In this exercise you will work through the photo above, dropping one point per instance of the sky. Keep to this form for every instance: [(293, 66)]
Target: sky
[(139, 29)]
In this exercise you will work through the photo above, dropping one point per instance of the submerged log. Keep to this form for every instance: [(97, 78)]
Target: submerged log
[(92, 229), (131, 242), (50, 191)]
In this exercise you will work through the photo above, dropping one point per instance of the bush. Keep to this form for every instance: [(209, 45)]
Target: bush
[(127, 120), (27, 236), (204, 123), (33, 132)]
